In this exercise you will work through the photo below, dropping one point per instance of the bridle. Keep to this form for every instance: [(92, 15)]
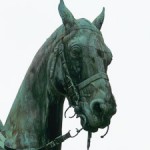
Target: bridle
[(72, 93), (73, 96)]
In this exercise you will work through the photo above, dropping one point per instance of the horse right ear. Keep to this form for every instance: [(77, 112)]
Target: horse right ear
[(98, 22), (67, 17)]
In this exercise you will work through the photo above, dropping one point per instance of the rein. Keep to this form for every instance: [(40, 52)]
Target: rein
[(58, 140)]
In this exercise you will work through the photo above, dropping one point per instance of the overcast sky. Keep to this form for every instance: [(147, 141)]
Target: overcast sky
[(26, 24)]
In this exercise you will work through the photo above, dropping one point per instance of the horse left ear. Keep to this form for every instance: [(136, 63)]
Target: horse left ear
[(67, 17), (98, 22)]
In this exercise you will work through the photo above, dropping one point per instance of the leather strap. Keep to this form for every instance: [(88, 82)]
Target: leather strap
[(50, 145), (91, 79), (72, 93)]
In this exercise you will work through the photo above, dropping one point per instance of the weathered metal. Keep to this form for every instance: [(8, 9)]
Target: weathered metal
[(72, 63)]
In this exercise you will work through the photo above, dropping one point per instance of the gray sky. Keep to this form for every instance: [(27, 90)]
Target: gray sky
[(26, 24)]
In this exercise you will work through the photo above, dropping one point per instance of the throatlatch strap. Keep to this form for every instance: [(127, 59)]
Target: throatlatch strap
[(91, 79)]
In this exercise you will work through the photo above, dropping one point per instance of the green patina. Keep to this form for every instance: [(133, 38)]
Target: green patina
[(72, 63)]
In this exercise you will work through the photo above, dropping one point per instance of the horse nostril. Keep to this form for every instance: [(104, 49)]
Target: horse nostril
[(96, 106)]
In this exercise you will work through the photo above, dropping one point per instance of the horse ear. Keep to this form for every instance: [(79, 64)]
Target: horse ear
[(100, 19), (67, 17)]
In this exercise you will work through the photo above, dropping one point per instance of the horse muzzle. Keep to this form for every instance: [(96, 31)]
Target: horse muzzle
[(95, 115)]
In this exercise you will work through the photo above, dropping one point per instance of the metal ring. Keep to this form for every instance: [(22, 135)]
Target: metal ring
[(78, 131)]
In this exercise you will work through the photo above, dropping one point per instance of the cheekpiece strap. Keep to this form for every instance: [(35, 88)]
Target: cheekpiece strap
[(91, 79), (72, 93)]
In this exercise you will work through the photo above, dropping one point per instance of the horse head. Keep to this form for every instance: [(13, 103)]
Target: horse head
[(72, 63), (84, 59)]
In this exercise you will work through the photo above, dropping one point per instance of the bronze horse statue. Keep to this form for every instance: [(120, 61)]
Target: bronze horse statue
[(72, 63)]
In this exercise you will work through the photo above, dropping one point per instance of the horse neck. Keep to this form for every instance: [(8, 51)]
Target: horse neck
[(36, 114)]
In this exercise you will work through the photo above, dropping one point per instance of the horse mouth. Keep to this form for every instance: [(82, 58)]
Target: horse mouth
[(93, 125)]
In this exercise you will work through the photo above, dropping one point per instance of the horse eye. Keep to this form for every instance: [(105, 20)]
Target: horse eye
[(75, 52)]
